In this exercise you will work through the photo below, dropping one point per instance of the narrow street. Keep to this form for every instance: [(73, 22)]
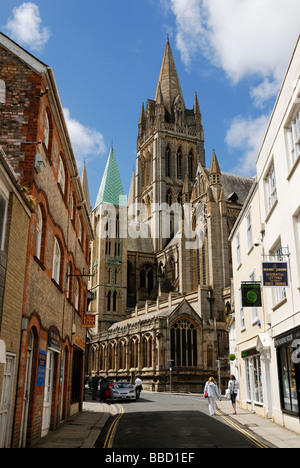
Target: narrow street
[(172, 422)]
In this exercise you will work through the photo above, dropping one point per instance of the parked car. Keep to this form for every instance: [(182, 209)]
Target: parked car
[(123, 391)]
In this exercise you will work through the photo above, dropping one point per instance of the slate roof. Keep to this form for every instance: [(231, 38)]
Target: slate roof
[(111, 188)]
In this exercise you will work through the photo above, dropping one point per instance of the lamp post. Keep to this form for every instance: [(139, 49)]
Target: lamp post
[(171, 369)]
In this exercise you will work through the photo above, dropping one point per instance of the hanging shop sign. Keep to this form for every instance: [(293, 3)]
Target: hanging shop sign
[(251, 294), (89, 321), (275, 274)]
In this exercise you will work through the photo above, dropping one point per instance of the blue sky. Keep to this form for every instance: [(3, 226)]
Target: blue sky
[(106, 56)]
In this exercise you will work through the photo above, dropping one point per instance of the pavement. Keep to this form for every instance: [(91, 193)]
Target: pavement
[(276, 435), (85, 428)]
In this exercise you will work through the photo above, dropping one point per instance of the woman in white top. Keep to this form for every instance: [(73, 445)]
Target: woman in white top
[(233, 386), (211, 392)]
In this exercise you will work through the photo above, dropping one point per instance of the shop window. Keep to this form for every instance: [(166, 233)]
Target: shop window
[(288, 373), (254, 384)]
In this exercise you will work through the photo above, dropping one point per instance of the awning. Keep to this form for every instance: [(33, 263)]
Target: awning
[(263, 342)]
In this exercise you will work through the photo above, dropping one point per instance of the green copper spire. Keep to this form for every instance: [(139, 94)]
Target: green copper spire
[(111, 189)]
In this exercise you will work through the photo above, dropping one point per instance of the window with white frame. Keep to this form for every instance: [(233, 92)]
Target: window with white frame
[(271, 189), (280, 293), (293, 133), (56, 262), (3, 211), (76, 298), (238, 250), (2, 92), (79, 229), (254, 385), (39, 231), (62, 175), (249, 230), (46, 131)]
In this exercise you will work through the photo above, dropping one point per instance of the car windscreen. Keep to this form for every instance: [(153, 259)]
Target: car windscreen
[(123, 385)]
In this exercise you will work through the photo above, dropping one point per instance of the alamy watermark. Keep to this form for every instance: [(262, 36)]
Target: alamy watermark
[(158, 220), (296, 353)]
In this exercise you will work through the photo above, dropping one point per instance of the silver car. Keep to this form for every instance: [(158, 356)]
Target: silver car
[(123, 391)]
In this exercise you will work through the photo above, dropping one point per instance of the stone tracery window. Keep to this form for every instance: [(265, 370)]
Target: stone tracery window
[(184, 344)]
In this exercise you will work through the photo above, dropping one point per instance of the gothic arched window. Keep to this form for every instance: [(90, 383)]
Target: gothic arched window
[(179, 164), (184, 344), (191, 166), (168, 162)]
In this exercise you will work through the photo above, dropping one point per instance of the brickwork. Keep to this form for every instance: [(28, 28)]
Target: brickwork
[(53, 295)]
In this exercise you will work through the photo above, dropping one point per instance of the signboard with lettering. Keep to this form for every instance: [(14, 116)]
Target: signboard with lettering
[(89, 321), (54, 340), (251, 294), (40, 381), (275, 274)]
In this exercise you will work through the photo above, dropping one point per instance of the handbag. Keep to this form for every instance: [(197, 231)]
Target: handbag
[(206, 393), (228, 394)]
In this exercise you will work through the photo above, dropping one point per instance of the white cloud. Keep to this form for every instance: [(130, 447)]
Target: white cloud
[(86, 142), (26, 27), (243, 37), (246, 135), (265, 90)]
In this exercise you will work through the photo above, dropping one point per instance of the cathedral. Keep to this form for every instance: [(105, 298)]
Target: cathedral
[(161, 261)]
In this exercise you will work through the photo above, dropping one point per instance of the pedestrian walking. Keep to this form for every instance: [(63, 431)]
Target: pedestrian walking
[(94, 385), (211, 392), (103, 388), (138, 386), (233, 387)]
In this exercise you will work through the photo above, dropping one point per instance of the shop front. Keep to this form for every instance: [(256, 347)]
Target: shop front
[(288, 359)]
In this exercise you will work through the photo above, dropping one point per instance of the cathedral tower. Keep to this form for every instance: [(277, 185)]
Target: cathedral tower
[(109, 249), (170, 145)]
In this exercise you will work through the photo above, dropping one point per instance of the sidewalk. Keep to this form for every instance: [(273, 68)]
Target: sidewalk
[(265, 428), (83, 430)]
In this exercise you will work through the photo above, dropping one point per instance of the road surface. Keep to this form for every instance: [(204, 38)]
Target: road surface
[(164, 421)]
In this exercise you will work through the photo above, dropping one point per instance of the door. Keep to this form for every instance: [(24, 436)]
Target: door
[(27, 390), (48, 393), (6, 399)]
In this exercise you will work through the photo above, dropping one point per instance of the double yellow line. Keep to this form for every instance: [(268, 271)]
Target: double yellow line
[(253, 439), (112, 430)]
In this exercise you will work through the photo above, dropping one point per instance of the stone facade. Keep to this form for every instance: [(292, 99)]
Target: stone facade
[(176, 279)]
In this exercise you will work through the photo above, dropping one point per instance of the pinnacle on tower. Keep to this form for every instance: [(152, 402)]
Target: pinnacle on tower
[(168, 86)]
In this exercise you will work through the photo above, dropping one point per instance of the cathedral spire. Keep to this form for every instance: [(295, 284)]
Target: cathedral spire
[(168, 86), (111, 189)]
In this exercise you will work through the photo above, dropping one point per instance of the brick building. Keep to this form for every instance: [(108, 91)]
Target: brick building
[(15, 213), (34, 137)]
